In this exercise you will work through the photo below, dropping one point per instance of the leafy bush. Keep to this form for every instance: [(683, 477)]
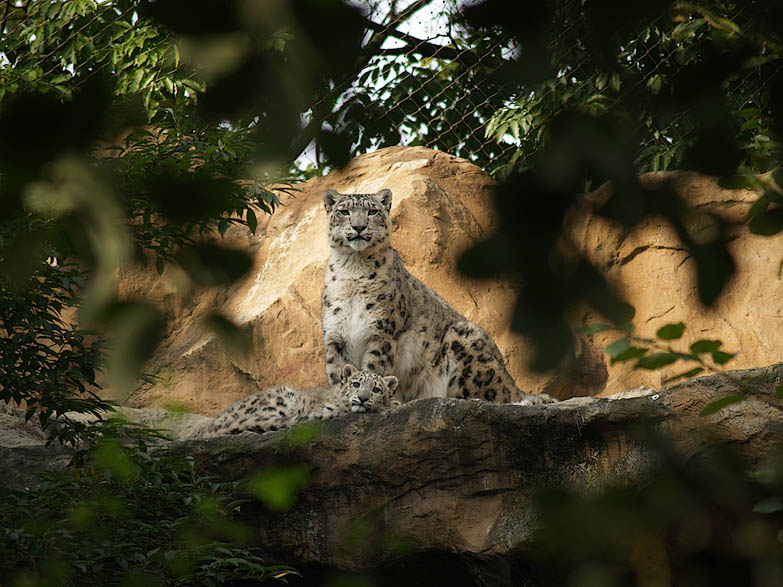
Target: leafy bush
[(128, 515)]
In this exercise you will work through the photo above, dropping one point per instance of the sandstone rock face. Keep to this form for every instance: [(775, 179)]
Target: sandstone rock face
[(657, 276), (461, 476), (442, 206)]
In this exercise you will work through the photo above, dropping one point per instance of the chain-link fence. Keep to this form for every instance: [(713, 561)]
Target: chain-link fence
[(425, 78), (428, 80), (57, 46)]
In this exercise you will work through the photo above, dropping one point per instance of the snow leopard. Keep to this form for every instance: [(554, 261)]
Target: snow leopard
[(282, 406), (378, 316)]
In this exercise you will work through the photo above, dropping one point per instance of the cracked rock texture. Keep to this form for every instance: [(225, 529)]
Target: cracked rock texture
[(461, 476), (442, 206)]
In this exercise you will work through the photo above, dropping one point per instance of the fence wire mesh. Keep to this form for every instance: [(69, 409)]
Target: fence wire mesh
[(426, 83), (427, 79), (430, 81)]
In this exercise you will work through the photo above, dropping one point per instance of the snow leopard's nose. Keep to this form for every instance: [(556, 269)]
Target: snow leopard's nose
[(362, 397), (358, 227)]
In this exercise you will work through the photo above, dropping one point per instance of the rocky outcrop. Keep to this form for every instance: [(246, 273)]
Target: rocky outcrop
[(461, 477), (442, 206)]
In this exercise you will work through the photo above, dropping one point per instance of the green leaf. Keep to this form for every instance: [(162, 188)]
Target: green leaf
[(135, 329), (725, 24), (759, 206), (769, 505), (751, 125), (737, 182), (208, 264), (628, 313), (718, 405), (686, 375), (628, 354), (617, 347), (252, 222), (777, 176), (779, 391), (655, 83), (767, 223), (720, 357), (593, 329), (277, 488), (657, 360), (705, 346), (671, 331)]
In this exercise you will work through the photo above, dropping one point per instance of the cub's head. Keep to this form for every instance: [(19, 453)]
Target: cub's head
[(358, 221), (367, 391)]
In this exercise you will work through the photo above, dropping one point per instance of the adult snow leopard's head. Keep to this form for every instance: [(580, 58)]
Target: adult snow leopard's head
[(358, 221)]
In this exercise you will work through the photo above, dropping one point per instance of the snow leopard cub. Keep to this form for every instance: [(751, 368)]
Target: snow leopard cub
[(282, 406)]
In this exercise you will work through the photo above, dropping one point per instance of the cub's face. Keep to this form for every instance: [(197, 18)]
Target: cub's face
[(367, 391), (358, 221)]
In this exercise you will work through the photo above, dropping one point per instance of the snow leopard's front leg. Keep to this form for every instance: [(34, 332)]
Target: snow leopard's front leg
[(379, 354), (335, 359), (329, 410)]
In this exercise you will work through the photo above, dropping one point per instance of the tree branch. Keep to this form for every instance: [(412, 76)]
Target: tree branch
[(428, 49), (373, 48)]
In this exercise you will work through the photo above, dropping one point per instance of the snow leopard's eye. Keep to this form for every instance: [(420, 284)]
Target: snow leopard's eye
[(372, 211), (355, 384), (376, 390), (345, 212)]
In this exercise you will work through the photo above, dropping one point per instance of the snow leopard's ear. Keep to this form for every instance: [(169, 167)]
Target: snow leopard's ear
[(392, 382), (385, 198), (330, 197), (349, 371)]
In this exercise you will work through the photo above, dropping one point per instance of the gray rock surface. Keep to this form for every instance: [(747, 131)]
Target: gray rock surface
[(456, 476)]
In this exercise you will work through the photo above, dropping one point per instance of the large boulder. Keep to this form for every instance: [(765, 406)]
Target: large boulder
[(442, 206)]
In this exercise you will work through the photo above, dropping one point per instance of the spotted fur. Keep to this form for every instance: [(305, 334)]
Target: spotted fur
[(281, 406), (380, 317)]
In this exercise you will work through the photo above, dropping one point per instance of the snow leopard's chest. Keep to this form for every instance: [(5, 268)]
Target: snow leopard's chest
[(361, 305)]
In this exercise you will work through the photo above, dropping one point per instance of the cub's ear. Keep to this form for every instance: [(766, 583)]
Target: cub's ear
[(385, 197), (349, 371), (392, 382), (330, 197)]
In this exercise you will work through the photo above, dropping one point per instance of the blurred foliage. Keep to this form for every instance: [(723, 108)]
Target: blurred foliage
[(142, 131), (679, 76), (581, 136), (113, 154), (128, 515), (692, 82), (698, 522)]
